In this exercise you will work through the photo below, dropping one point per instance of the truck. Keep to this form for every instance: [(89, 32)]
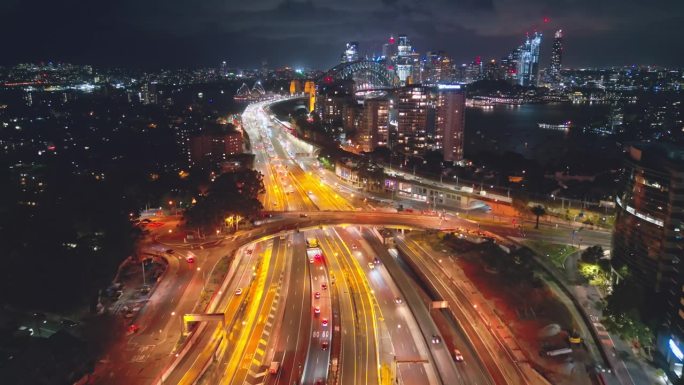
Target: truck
[(274, 367)]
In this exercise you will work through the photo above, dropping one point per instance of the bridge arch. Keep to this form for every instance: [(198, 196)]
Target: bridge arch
[(366, 74)]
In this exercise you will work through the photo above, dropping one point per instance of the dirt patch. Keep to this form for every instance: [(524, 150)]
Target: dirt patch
[(518, 294)]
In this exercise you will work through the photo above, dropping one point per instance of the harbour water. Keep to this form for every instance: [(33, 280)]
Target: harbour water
[(516, 129)]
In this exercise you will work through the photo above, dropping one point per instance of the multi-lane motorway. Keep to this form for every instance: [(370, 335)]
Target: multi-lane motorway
[(354, 314)]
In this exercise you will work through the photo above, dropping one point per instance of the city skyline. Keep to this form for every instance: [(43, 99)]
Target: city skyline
[(304, 34)]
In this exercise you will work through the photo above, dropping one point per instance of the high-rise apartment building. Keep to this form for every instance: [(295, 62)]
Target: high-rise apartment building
[(431, 118), (374, 124), (649, 236), (449, 122), (413, 105)]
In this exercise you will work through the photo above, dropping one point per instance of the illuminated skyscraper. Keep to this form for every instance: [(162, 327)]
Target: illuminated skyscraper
[(404, 60), (224, 68), (526, 58), (351, 52), (403, 46), (556, 57)]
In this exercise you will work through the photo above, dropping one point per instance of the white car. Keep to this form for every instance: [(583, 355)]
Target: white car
[(238, 291), (458, 357)]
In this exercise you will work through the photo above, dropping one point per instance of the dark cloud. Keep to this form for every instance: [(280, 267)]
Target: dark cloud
[(307, 32)]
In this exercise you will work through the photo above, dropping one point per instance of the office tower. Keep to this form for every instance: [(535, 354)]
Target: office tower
[(389, 49), (449, 121), (351, 52), (556, 58), (649, 236), (526, 59), (473, 71), (403, 46), (224, 69), (374, 124), (437, 68), (405, 60)]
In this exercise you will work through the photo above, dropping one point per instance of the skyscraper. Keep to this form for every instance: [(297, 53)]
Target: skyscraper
[(374, 124), (351, 52), (526, 58), (449, 122), (431, 118), (556, 58), (648, 238), (404, 60)]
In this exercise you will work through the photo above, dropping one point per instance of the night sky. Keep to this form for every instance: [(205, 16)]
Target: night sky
[(173, 33)]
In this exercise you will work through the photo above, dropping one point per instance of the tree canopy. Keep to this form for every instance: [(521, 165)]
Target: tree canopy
[(230, 194)]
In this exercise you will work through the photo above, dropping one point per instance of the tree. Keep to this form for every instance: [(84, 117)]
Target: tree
[(538, 210), (231, 194), (592, 254), (625, 312)]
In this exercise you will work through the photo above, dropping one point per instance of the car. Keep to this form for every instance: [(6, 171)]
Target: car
[(318, 382), (68, 323), (302, 215), (145, 289), (371, 265), (190, 259), (324, 322), (436, 339), (238, 291), (398, 300), (170, 251), (324, 286), (317, 310), (133, 328), (354, 246), (317, 295), (146, 220), (458, 357), (311, 260), (376, 260), (324, 345)]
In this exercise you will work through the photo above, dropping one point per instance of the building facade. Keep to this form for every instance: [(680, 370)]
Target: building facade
[(210, 149), (450, 122), (649, 236), (556, 58), (431, 118), (374, 124)]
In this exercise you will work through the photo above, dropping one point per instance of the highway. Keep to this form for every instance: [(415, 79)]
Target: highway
[(291, 342), (502, 365), (402, 347), (378, 328), (247, 359), (359, 361)]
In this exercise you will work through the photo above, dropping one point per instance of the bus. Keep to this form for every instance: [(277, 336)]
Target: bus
[(311, 243)]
